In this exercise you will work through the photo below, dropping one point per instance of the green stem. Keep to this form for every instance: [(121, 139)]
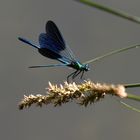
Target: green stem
[(134, 85), (111, 11), (133, 97)]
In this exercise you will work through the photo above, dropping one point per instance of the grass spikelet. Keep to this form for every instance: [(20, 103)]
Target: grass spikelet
[(84, 94)]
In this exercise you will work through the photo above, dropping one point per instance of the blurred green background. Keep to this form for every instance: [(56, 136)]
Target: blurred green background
[(89, 33)]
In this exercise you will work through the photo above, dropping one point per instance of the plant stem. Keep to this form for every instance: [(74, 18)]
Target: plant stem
[(134, 85), (111, 11), (133, 97)]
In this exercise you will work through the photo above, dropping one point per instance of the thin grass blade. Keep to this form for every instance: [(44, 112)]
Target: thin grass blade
[(110, 10), (111, 53), (130, 107)]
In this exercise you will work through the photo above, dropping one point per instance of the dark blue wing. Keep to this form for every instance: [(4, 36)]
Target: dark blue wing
[(53, 32), (53, 41), (50, 49)]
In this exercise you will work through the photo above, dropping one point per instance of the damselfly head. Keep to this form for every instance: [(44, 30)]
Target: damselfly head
[(86, 67)]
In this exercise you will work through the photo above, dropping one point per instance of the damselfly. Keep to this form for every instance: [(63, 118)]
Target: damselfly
[(52, 45)]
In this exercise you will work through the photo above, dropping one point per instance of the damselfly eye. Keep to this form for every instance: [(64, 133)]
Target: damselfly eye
[(87, 67)]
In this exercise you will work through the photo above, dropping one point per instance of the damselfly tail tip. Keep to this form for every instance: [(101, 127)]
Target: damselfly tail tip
[(32, 67), (36, 66), (23, 40), (19, 38)]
